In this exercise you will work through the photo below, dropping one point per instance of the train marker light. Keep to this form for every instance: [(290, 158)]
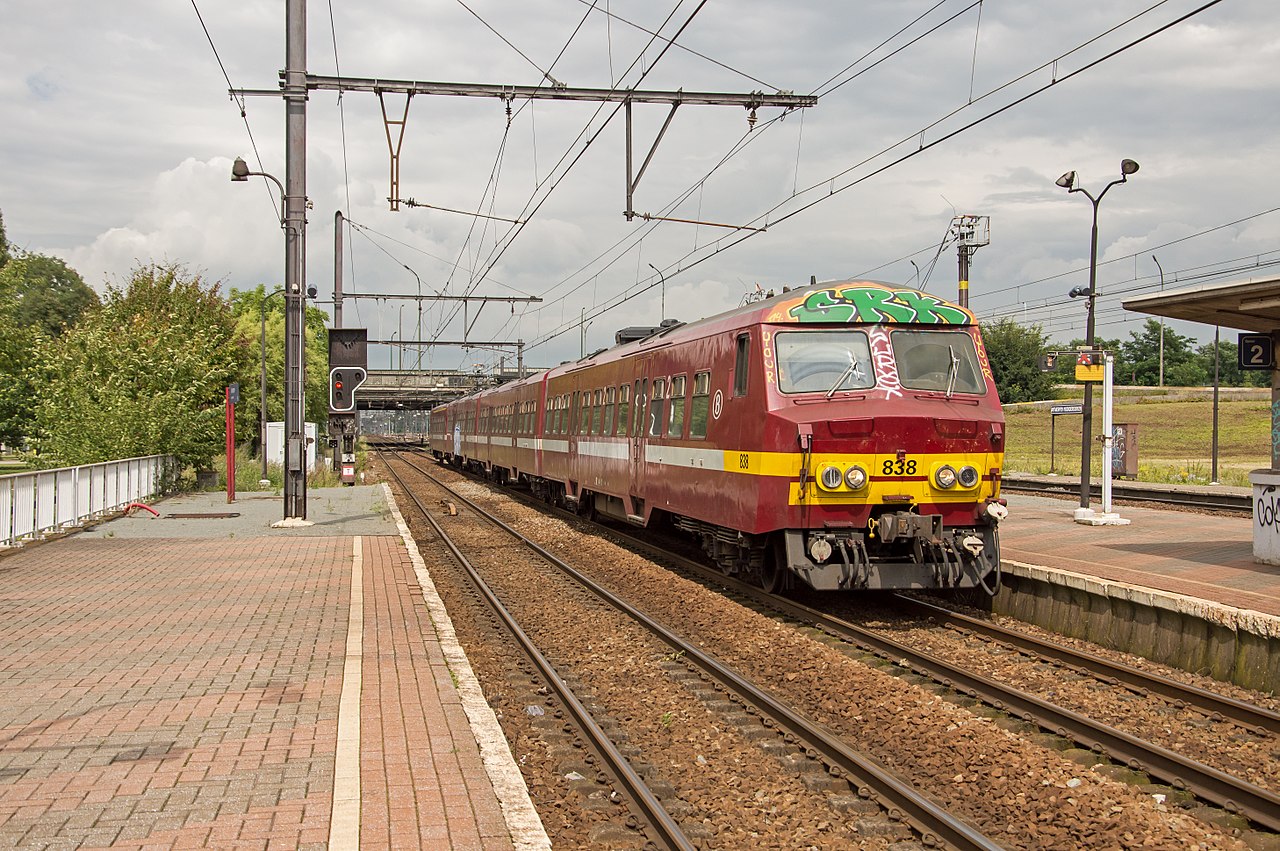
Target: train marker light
[(830, 477), (945, 477), (968, 476), (855, 477)]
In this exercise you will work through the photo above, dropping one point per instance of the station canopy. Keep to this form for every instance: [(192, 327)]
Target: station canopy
[(1252, 305)]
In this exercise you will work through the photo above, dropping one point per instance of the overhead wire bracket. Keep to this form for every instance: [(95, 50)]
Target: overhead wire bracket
[(394, 147)]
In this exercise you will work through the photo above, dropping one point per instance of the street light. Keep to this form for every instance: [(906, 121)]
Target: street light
[(418, 336), (1068, 182), (262, 411), (293, 222), (662, 313)]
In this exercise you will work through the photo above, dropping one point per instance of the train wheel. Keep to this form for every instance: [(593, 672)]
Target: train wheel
[(773, 571)]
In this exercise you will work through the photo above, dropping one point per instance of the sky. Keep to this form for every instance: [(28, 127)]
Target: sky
[(119, 133)]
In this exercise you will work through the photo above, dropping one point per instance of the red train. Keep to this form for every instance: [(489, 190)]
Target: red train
[(846, 435)]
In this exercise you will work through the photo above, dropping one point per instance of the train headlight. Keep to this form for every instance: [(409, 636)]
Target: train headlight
[(968, 476), (945, 476), (830, 477), (855, 477)]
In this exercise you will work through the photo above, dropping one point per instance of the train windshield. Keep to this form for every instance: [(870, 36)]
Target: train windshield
[(823, 361), (938, 360)]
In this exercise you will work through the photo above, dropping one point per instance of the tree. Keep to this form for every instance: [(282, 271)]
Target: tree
[(4, 244), (142, 374), (1014, 352), (19, 363), (1181, 366), (44, 292), (247, 305)]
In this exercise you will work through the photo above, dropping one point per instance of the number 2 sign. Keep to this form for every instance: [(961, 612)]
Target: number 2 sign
[(1257, 351)]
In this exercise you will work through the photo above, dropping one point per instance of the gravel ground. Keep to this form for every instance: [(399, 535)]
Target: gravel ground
[(1018, 792)]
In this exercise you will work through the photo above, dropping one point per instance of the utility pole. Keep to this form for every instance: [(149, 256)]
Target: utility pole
[(295, 220), (971, 232), (337, 269)]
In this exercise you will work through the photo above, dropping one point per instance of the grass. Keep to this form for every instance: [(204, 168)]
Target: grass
[(1175, 439)]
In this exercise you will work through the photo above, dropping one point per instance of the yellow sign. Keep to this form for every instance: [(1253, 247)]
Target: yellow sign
[(1089, 366)]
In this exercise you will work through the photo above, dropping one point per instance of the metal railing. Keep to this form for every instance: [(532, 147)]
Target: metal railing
[(42, 501)]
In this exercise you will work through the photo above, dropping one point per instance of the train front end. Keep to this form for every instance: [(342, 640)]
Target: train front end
[(885, 398)]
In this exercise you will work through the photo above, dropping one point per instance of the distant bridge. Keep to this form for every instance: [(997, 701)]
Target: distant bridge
[(422, 389)]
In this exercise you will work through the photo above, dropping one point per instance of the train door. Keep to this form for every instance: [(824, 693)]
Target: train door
[(639, 420)]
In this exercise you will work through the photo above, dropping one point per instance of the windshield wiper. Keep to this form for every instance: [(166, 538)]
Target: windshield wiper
[(953, 371), (844, 376)]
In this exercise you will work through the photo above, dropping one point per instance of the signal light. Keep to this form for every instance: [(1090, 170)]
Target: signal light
[(343, 382)]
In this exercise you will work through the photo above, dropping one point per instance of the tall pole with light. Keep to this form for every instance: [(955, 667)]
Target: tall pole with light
[(1068, 182), (294, 221), (1161, 268), (662, 311)]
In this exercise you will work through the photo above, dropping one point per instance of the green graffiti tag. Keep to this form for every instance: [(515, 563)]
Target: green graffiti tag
[(872, 304)]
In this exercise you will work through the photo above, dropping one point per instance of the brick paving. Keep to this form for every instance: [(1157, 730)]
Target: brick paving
[(170, 694), (1208, 557), (184, 693), (419, 787)]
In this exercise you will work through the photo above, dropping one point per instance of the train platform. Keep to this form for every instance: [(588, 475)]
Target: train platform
[(1205, 556), (1174, 586), (202, 680)]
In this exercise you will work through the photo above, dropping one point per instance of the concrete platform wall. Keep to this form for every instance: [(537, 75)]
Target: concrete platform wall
[(1229, 644)]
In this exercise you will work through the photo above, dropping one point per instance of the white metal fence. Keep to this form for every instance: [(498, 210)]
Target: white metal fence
[(34, 504)]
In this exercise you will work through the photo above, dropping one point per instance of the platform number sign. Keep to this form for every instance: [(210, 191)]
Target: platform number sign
[(1257, 351)]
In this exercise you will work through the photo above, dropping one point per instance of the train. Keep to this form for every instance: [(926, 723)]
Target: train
[(840, 436)]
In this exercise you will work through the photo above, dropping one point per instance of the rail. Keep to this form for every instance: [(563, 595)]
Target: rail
[(1192, 497), (37, 503), (935, 824)]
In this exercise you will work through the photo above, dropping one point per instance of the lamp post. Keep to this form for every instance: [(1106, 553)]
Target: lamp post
[(1161, 268), (662, 313), (293, 222), (418, 336), (1068, 182), (262, 385)]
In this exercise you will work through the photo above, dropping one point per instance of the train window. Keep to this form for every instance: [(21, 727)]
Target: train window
[(700, 405), (677, 407), (938, 360), (740, 365), (656, 407), (609, 399), (624, 408), (642, 387), (823, 361)]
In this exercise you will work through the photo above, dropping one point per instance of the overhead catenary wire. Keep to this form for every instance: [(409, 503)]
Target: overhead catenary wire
[(239, 102), (829, 184)]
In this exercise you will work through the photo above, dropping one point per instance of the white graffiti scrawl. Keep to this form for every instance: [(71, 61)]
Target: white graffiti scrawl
[(886, 368)]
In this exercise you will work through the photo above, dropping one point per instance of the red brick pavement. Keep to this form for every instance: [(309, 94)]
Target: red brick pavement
[(170, 694), (1201, 556), (184, 694), (422, 781)]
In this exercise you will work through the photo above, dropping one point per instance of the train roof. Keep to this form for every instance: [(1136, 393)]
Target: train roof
[(848, 302)]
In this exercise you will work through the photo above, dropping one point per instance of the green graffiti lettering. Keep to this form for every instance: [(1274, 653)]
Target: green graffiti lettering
[(822, 306), (929, 309), (878, 306)]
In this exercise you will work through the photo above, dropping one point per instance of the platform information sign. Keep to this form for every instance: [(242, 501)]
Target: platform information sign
[(1060, 410)]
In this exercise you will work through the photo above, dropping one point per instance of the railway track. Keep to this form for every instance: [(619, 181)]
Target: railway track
[(1200, 498), (662, 828), (928, 819), (1259, 805)]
